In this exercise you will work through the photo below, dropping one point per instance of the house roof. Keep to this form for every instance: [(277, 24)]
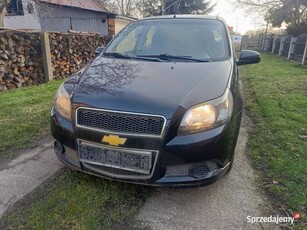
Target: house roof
[(126, 18), (81, 4)]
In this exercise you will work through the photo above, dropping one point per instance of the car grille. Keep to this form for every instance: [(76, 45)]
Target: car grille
[(120, 122)]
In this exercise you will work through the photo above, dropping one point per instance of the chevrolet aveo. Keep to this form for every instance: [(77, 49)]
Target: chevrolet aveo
[(160, 104)]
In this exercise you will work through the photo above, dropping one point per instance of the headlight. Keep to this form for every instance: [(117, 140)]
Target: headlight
[(62, 103), (208, 115)]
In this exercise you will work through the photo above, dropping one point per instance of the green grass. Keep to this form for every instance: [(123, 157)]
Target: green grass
[(24, 116), (276, 99), (70, 200), (73, 200)]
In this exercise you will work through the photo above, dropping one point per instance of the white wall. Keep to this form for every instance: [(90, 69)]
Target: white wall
[(236, 39), (26, 21)]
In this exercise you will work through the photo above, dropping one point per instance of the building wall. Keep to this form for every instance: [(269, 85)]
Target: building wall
[(58, 18), (61, 19), (26, 21)]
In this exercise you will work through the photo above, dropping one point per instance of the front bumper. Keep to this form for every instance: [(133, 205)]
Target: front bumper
[(181, 161)]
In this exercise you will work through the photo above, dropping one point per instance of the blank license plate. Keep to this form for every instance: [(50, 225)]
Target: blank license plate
[(136, 161)]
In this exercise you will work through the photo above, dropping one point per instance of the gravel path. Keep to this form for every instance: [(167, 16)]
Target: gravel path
[(26, 172), (222, 205)]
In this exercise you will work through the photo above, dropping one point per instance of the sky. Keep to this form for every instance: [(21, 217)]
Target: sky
[(237, 18)]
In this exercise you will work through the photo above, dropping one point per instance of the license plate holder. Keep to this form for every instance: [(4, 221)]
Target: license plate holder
[(114, 157)]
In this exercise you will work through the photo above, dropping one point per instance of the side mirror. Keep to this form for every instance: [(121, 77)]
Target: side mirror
[(98, 50), (248, 57)]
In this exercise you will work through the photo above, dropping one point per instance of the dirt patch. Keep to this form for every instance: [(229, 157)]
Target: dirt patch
[(222, 205), (25, 172)]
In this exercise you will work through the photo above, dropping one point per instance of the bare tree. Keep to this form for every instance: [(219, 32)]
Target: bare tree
[(127, 7), (158, 7), (276, 11), (122, 7), (108, 5), (258, 6), (3, 5)]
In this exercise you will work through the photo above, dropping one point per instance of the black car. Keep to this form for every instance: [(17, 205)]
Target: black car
[(160, 105)]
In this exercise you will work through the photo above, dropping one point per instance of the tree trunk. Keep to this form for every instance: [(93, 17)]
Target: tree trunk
[(163, 7), (122, 8), (3, 4), (2, 14), (298, 13)]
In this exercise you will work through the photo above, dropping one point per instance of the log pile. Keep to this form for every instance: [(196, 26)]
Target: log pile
[(70, 52), (21, 57), (20, 60)]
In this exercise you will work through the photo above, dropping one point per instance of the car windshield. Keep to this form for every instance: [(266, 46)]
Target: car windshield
[(167, 39)]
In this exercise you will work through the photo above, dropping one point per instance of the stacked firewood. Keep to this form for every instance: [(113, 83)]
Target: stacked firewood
[(20, 59), (70, 52)]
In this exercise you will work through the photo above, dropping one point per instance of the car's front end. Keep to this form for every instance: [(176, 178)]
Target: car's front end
[(143, 119), (156, 156)]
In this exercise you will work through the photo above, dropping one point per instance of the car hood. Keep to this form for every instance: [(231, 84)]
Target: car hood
[(161, 88)]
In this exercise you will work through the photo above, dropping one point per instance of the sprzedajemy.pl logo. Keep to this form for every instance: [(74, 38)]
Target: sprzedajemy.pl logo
[(274, 219)]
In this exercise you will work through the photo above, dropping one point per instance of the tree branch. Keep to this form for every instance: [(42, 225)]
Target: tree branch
[(3, 4)]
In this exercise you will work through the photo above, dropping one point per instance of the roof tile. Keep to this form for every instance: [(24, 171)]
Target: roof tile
[(82, 4)]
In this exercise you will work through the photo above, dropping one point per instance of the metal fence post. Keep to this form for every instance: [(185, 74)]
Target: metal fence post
[(305, 53), (274, 44), (281, 47), (48, 71), (291, 48)]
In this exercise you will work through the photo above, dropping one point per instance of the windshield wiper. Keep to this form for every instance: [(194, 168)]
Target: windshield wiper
[(116, 55), (146, 58), (170, 57), (119, 55)]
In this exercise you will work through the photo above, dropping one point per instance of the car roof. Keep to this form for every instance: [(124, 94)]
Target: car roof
[(184, 16)]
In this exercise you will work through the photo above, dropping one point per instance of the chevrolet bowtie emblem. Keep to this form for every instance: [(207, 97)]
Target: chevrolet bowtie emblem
[(114, 140)]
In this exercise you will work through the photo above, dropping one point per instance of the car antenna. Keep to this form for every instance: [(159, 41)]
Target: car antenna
[(178, 1)]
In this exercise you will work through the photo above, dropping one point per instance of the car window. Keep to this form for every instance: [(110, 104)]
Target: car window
[(127, 44), (128, 41), (196, 38), (151, 32)]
